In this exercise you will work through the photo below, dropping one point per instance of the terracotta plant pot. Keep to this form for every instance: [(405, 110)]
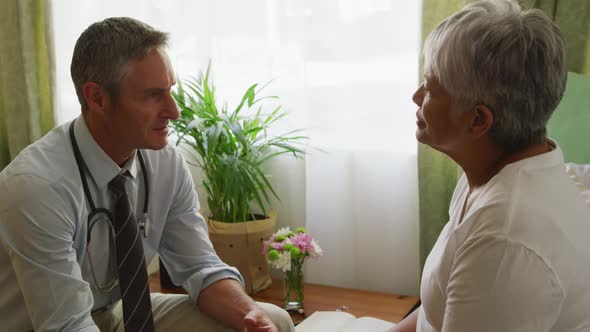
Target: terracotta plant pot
[(240, 245)]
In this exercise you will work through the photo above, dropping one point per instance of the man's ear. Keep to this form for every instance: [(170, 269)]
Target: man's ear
[(96, 97), (481, 121)]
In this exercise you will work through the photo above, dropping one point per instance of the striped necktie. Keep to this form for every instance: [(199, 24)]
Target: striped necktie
[(133, 278)]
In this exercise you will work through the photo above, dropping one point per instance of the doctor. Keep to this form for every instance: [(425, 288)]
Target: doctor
[(84, 208)]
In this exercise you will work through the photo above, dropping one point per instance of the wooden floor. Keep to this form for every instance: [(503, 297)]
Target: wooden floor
[(389, 307)]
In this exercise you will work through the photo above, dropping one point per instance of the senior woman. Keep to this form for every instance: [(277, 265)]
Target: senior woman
[(515, 254)]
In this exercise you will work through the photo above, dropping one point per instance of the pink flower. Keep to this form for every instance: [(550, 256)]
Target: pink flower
[(303, 242), (266, 244), (278, 245)]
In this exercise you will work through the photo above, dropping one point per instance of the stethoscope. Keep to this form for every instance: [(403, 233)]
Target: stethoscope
[(96, 213)]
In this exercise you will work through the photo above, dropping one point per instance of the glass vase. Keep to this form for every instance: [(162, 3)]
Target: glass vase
[(294, 288)]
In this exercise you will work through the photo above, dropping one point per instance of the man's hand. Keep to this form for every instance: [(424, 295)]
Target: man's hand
[(238, 311), (257, 321)]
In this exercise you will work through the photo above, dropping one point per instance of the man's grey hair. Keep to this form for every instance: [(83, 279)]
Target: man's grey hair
[(104, 49), (495, 54)]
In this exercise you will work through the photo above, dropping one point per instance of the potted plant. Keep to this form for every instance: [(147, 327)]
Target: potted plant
[(231, 148)]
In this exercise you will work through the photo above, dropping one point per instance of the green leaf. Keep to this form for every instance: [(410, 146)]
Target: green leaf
[(231, 147), (249, 96)]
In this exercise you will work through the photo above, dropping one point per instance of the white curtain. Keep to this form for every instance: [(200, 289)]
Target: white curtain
[(345, 71)]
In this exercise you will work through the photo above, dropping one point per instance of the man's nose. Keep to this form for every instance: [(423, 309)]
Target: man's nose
[(171, 110)]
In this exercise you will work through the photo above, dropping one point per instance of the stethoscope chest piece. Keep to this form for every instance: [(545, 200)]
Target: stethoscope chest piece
[(144, 224)]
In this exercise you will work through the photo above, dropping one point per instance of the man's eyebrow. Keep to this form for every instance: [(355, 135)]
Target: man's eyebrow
[(151, 90)]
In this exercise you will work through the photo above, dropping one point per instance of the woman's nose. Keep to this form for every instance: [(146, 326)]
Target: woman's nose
[(418, 96)]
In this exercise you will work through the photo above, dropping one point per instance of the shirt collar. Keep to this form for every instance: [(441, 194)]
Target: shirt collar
[(543, 160), (131, 165), (100, 166)]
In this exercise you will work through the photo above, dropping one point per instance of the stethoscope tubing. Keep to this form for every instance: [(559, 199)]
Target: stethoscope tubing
[(95, 211)]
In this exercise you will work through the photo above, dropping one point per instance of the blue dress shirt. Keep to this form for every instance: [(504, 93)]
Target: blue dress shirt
[(45, 277)]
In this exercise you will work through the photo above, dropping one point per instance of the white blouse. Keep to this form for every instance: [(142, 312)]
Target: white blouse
[(518, 261)]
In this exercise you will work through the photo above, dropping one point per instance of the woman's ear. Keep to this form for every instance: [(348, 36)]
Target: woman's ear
[(95, 96), (481, 121)]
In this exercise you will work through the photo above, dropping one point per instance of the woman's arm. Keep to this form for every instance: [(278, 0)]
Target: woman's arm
[(408, 324)]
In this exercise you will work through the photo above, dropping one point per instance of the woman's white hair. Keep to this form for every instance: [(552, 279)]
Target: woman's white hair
[(510, 60)]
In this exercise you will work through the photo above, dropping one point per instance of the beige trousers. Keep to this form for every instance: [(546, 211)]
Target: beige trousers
[(176, 312)]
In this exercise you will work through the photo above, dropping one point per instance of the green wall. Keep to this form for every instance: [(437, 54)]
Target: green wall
[(570, 123)]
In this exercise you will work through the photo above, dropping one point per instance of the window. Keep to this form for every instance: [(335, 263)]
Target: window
[(345, 71)]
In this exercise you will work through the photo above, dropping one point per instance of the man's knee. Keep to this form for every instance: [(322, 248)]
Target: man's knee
[(178, 313), (279, 316)]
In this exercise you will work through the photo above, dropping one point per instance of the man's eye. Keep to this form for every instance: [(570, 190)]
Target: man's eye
[(154, 94)]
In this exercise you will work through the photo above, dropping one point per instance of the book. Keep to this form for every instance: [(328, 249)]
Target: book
[(340, 321)]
